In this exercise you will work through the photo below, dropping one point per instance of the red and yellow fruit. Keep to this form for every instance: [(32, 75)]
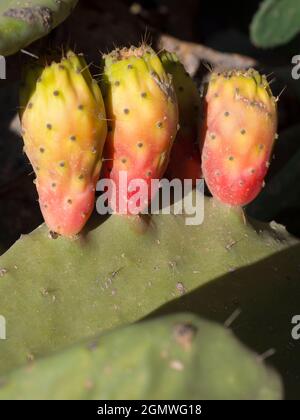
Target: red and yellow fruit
[(239, 132), (142, 117), (64, 128)]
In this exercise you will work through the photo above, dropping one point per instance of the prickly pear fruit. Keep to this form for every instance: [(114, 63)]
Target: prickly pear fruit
[(239, 128), (142, 112), (185, 159), (64, 129)]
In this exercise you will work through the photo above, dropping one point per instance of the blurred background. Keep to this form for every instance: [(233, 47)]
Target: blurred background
[(204, 34)]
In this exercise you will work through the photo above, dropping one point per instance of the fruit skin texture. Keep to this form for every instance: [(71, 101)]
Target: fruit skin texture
[(239, 132), (64, 129), (185, 159), (142, 112)]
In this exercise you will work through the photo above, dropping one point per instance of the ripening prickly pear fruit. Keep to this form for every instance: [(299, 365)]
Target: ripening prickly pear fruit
[(64, 128), (142, 117), (239, 129), (185, 159)]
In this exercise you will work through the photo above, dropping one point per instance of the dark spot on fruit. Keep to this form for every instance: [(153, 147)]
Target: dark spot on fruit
[(73, 138), (130, 66), (49, 126), (226, 114), (216, 95), (126, 111), (252, 171), (62, 164), (243, 131), (148, 173), (159, 124), (143, 94), (140, 144), (117, 83), (30, 105), (212, 136), (231, 158), (261, 146), (69, 201), (124, 160), (53, 184), (61, 67), (42, 149), (181, 89), (80, 107), (56, 93), (81, 176)]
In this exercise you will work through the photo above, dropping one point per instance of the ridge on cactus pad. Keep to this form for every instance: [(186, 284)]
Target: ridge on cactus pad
[(239, 130), (185, 159), (142, 112), (174, 357), (64, 128)]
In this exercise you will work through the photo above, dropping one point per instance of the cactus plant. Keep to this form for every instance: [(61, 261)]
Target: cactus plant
[(22, 22), (175, 357), (275, 23), (54, 292), (64, 129)]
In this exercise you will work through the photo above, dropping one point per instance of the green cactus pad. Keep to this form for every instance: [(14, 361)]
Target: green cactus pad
[(275, 23), (175, 357), (22, 22), (54, 292)]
